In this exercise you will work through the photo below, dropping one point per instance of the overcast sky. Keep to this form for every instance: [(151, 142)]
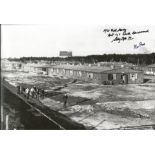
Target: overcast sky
[(48, 40)]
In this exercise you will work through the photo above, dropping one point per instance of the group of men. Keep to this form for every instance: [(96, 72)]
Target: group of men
[(34, 92)]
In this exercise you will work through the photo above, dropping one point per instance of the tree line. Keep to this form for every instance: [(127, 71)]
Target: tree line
[(140, 59)]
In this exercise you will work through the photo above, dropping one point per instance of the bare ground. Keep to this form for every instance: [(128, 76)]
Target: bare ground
[(95, 106)]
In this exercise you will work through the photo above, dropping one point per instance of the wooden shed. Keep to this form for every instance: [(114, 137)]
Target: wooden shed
[(124, 76)]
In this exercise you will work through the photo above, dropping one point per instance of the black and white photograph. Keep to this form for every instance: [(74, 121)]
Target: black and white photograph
[(93, 77), (77, 77)]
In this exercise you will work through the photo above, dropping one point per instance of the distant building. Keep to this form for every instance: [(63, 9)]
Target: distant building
[(11, 65), (150, 70), (65, 54), (39, 69), (115, 65)]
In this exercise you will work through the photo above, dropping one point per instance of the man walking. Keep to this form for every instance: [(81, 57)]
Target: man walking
[(27, 91), (65, 98)]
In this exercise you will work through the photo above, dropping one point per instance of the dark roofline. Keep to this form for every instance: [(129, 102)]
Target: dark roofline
[(83, 68), (97, 69), (92, 69), (46, 66), (123, 70)]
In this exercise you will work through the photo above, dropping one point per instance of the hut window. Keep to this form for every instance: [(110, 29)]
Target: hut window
[(71, 72), (38, 69), (90, 75), (20, 65), (44, 69), (110, 76), (133, 76)]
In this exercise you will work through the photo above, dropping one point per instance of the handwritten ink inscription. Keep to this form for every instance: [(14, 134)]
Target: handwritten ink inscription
[(139, 45), (122, 34)]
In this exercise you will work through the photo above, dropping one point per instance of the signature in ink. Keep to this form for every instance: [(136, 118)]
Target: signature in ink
[(139, 45)]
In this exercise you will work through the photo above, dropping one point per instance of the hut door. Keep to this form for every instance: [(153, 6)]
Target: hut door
[(125, 78)]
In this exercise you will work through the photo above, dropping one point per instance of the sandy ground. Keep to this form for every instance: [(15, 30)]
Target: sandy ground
[(95, 106)]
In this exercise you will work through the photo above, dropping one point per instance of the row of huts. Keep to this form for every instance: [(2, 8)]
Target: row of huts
[(98, 74), (102, 75)]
